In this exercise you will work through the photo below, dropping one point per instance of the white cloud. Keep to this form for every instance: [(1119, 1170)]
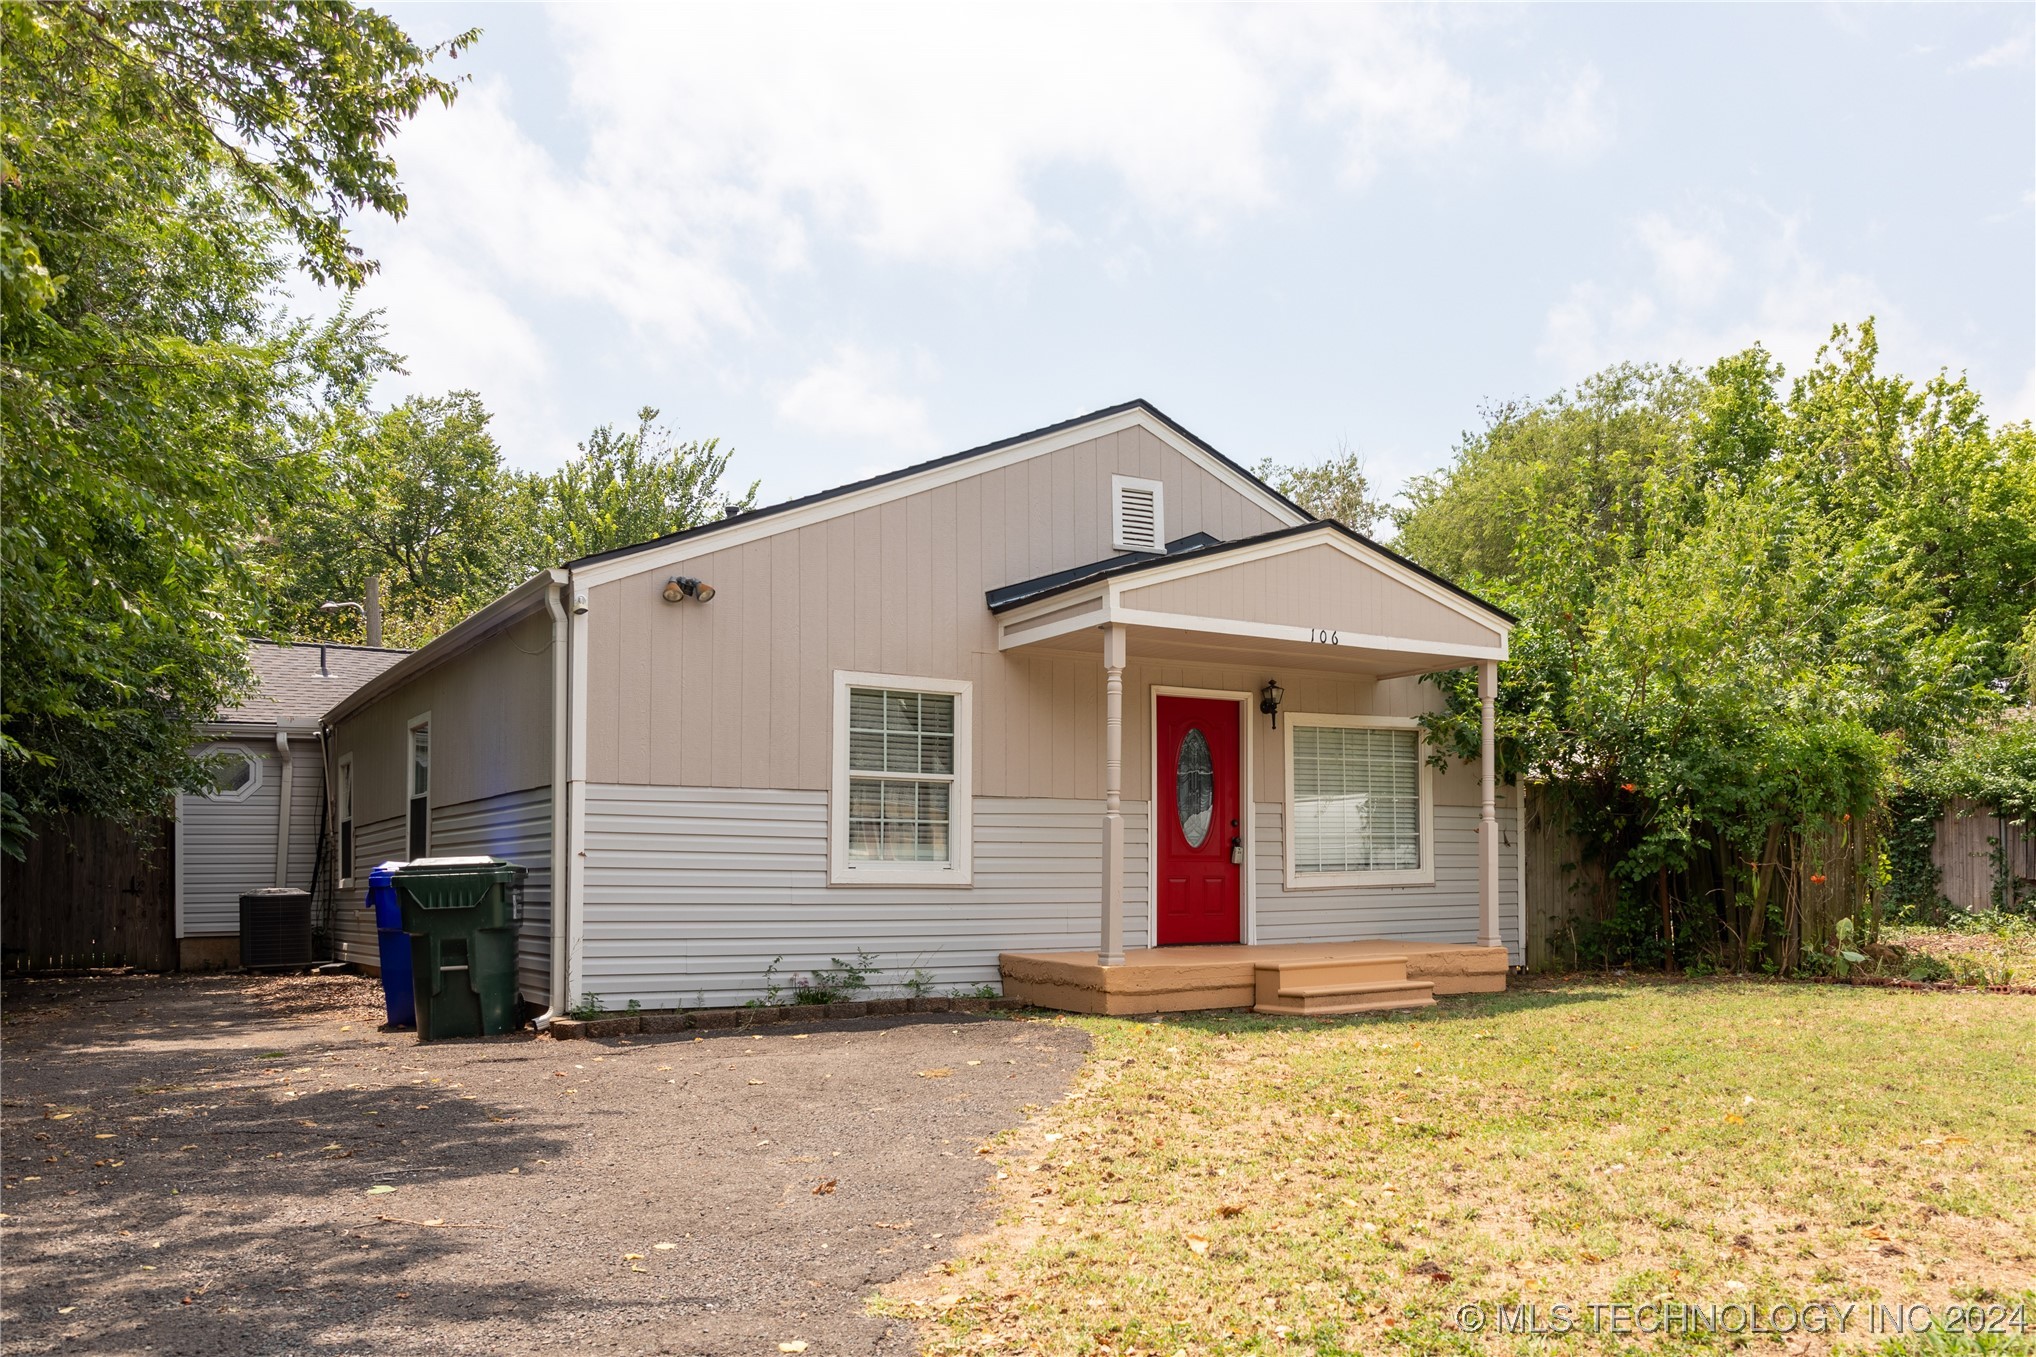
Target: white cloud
[(1702, 298), (853, 395), (2013, 50), (1690, 265), (1575, 122)]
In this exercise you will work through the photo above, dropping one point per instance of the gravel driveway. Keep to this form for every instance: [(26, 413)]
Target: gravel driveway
[(197, 1165)]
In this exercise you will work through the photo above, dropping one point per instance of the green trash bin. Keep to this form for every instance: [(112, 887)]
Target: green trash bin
[(460, 915)]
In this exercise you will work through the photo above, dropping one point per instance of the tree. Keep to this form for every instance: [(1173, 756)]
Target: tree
[(157, 164), (1337, 488), (415, 496), (1738, 629), (418, 496)]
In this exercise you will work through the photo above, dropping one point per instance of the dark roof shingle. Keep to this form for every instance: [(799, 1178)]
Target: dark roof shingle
[(297, 684)]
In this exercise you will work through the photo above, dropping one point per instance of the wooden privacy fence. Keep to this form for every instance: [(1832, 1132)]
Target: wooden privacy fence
[(90, 892), (1567, 895), (1982, 856)]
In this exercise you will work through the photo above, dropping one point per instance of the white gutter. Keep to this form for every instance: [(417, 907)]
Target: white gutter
[(561, 999), (283, 808)]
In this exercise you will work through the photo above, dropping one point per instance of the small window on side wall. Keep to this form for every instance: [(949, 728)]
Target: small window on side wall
[(345, 799), (234, 773), (419, 812), (1137, 514), (900, 812)]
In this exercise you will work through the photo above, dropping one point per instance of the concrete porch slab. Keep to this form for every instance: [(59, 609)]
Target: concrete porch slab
[(1189, 979)]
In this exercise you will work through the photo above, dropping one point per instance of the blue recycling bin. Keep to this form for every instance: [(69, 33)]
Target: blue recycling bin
[(397, 992)]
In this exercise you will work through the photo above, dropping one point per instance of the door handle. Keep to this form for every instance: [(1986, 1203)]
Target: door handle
[(1236, 850)]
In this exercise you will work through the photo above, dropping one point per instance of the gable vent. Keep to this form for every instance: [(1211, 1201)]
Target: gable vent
[(1138, 514)]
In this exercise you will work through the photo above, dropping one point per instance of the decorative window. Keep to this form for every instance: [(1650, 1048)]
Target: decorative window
[(901, 810), (1137, 514), (344, 797), (1359, 802), (235, 773), (419, 808)]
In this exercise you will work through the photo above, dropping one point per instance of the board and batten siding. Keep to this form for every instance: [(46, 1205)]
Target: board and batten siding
[(229, 847), (692, 891), (739, 692)]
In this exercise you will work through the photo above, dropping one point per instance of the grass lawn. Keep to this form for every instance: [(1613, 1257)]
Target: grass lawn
[(1238, 1184)]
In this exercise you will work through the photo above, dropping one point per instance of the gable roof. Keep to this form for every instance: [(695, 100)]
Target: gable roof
[(1117, 567), (297, 684), (918, 469)]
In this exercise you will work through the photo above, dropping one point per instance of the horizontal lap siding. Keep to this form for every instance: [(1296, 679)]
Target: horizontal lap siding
[(229, 847), (691, 892), (514, 827), (353, 927), (1444, 912)]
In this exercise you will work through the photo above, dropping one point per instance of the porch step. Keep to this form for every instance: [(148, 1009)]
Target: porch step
[(1339, 985)]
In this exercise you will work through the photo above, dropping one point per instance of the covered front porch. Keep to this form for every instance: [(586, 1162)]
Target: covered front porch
[(1338, 858)]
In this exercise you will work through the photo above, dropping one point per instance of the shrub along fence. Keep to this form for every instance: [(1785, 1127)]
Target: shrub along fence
[(1762, 914)]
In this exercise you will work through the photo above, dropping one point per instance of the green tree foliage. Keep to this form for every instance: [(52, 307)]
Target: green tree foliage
[(1748, 616), (159, 165), (621, 489), (418, 496), (413, 495), (1337, 487)]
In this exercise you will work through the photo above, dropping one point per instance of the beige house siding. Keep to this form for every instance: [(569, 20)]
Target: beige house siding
[(1318, 586), (739, 692), (490, 725), (490, 712)]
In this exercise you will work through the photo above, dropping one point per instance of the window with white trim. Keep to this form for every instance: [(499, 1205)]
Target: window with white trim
[(419, 806), (1137, 514), (1358, 802), (901, 809), (345, 804), (236, 774)]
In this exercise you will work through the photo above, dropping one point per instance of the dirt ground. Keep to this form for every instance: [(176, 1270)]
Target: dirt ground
[(204, 1166)]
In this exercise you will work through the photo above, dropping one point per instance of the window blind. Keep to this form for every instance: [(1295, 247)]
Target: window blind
[(1357, 800), (901, 775)]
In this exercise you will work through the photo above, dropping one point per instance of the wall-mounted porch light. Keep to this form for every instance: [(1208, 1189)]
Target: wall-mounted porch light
[(1269, 700), (685, 586)]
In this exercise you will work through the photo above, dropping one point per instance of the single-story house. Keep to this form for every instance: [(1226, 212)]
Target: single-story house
[(258, 825), (1092, 713)]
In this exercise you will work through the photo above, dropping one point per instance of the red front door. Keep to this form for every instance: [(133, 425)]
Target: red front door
[(1198, 813)]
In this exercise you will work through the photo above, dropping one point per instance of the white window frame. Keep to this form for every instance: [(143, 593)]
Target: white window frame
[(1118, 485), (410, 781), (959, 869), (344, 793), (254, 776), (1424, 875)]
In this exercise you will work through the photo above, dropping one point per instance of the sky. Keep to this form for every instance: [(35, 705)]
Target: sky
[(847, 238)]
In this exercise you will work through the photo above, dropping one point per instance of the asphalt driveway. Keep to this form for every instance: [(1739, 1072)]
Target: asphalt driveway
[(233, 1165)]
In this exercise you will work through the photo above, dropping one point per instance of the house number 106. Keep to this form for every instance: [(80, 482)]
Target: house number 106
[(1321, 637)]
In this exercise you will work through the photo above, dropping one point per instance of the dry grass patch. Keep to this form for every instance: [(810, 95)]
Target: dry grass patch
[(1235, 1184)]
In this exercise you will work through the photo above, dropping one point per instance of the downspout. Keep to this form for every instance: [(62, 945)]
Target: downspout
[(283, 808), (560, 767)]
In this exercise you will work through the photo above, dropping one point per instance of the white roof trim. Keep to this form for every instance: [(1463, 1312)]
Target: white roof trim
[(740, 531)]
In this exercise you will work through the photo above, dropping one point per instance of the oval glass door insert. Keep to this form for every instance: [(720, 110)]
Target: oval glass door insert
[(1194, 787)]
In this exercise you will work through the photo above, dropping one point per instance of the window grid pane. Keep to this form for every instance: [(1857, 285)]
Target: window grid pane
[(901, 741), (1357, 804), (897, 821)]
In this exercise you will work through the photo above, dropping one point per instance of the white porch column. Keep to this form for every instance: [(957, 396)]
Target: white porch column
[(1488, 816), (1111, 950)]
